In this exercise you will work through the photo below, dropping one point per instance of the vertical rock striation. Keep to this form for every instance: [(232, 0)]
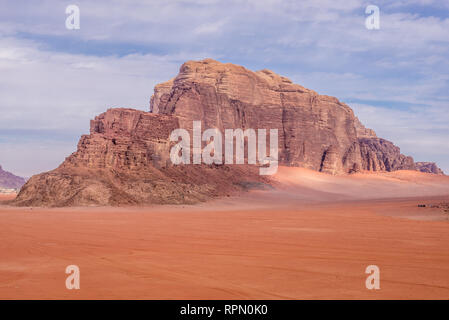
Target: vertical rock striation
[(315, 131)]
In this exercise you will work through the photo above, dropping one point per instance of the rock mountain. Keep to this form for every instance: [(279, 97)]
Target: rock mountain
[(9, 180), (125, 158)]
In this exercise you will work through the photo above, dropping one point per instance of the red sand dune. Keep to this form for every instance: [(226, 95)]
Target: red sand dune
[(310, 238)]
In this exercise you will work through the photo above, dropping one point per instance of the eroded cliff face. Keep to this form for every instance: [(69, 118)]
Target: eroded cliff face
[(315, 131), (125, 158), (382, 155), (125, 139)]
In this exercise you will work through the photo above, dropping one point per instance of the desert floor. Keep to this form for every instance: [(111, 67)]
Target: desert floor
[(310, 238)]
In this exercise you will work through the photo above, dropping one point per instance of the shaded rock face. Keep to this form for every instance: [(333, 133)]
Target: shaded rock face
[(429, 167), (125, 158), (9, 180)]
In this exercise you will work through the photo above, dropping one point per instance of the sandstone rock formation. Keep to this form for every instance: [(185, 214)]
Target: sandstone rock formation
[(429, 167), (362, 131), (125, 158), (125, 161), (315, 131), (9, 180), (382, 155)]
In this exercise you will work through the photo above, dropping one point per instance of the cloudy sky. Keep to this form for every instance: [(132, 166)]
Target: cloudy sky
[(54, 80)]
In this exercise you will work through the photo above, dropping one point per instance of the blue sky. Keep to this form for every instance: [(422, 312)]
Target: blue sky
[(54, 80)]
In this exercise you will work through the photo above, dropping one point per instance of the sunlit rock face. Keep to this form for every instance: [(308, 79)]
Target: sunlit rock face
[(315, 131)]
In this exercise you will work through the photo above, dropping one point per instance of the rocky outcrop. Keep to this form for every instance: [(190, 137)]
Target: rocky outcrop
[(9, 180), (429, 167), (315, 131), (125, 139), (161, 91), (125, 161), (382, 155), (362, 131), (379, 154), (125, 158)]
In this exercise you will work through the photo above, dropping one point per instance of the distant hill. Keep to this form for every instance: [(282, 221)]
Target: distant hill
[(9, 180)]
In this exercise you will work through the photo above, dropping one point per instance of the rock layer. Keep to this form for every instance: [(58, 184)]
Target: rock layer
[(125, 158)]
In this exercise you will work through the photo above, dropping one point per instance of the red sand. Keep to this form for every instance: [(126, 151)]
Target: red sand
[(7, 196), (311, 240)]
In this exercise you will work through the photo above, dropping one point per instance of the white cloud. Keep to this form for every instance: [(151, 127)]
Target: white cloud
[(210, 28), (57, 90)]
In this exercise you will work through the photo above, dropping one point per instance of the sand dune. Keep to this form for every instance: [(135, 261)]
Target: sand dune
[(311, 237), (364, 185)]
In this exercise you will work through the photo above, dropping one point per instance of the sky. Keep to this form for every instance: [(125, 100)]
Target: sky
[(54, 80)]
